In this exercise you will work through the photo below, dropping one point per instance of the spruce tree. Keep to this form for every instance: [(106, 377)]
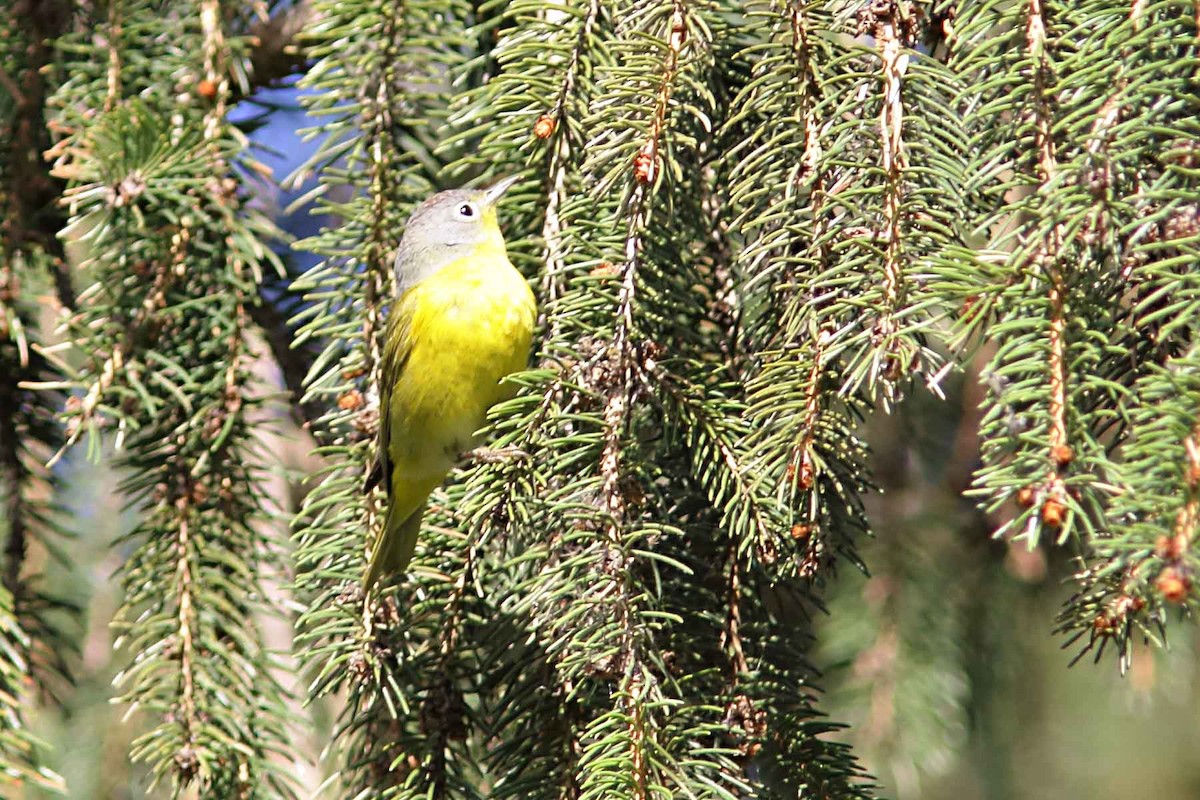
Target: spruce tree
[(755, 230)]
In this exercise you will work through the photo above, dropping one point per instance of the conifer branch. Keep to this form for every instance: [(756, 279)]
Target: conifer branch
[(801, 471), (113, 37), (889, 37), (624, 379), (83, 413), (731, 637), (186, 760), (32, 217), (377, 282), (43, 643), (36, 641), (19, 755), (788, 396), (215, 69), (552, 227), (559, 161), (801, 464), (443, 700), (809, 100), (174, 258), (1048, 255)]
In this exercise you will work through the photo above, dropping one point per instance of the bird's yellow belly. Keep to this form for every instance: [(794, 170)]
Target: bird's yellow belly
[(469, 329)]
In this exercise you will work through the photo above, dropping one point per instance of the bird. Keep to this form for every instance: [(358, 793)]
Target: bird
[(461, 320)]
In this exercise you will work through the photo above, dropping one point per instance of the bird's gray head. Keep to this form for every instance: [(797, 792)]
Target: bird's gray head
[(446, 227)]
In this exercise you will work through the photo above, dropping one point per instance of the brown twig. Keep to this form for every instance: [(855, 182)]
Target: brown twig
[(113, 40), (378, 279), (558, 162), (888, 38), (187, 719), (1048, 255), (620, 396), (800, 463), (731, 637)]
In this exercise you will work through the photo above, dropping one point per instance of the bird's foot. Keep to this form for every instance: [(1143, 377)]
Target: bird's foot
[(497, 455)]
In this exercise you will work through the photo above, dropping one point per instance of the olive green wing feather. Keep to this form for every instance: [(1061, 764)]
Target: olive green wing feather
[(396, 348)]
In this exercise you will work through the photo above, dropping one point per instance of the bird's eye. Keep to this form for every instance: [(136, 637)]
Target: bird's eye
[(466, 210)]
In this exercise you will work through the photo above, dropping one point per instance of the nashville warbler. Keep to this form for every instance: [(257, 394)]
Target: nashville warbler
[(461, 321)]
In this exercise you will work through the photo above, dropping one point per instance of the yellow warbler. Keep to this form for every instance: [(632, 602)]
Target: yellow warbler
[(462, 320)]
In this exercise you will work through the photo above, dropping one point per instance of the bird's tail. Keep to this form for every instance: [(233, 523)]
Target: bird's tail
[(394, 547)]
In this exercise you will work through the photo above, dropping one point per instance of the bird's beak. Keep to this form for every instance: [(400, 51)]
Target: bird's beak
[(493, 193)]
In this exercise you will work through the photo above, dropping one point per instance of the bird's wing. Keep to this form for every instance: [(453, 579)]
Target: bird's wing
[(396, 348)]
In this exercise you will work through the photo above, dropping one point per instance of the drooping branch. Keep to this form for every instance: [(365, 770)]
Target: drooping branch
[(1048, 257), (556, 126), (889, 38), (32, 216)]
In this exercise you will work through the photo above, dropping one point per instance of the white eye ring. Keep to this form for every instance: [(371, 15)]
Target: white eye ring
[(466, 210)]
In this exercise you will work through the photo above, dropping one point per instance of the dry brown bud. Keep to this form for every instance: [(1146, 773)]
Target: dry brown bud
[(351, 400), (745, 720), (892, 368), (1124, 604), (1026, 497), (207, 89), (1054, 513), (1173, 585), (643, 164), (187, 762), (544, 126), (1170, 548), (632, 492), (357, 666), (1162, 547), (806, 472), (1062, 454)]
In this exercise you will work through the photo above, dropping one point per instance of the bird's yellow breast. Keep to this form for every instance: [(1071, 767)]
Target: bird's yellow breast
[(468, 326)]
